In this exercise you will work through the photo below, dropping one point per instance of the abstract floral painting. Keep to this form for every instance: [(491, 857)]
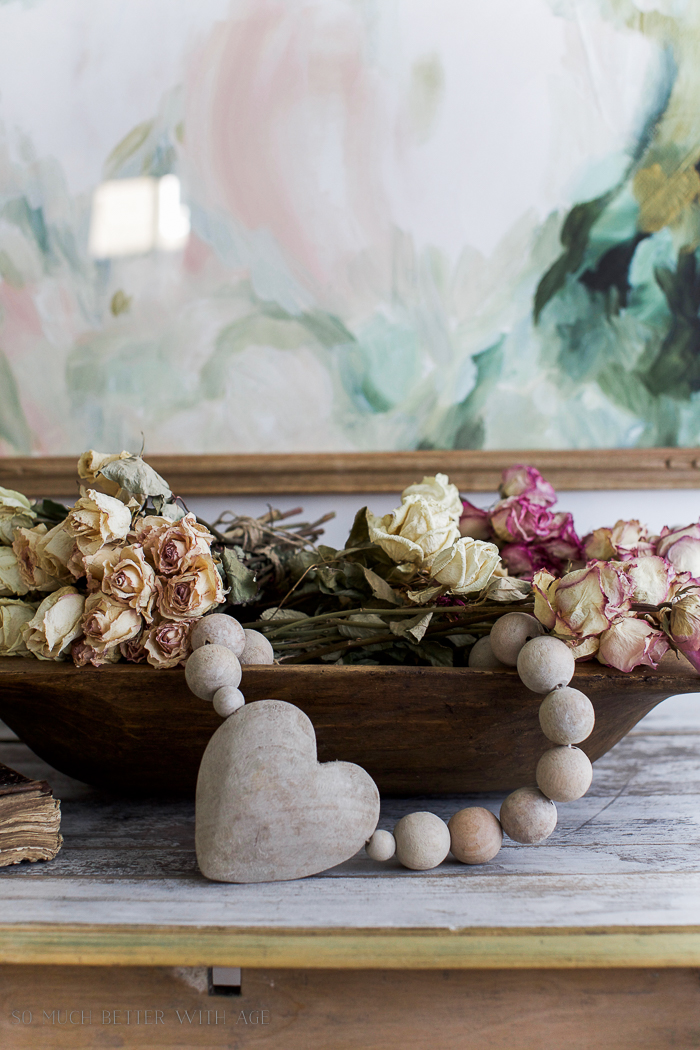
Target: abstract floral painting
[(412, 224)]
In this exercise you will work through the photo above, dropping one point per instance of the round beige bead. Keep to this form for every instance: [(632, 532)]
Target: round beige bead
[(227, 700), (211, 667), (257, 649), (475, 835), (218, 629), (510, 633), (422, 841), (564, 773), (482, 657), (545, 663), (528, 816), (567, 716), (382, 846)]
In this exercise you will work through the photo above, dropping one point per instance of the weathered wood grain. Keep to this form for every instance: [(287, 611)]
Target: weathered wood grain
[(352, 1010), (328, 472), (416, 730)]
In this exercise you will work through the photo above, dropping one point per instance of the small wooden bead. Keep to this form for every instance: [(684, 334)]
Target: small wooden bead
[(509, 634), (382, 846), (257, 649), (567, 716), (482, 656), (422, 841), (227, 700), (211, 667), (475, 835), (545, 664), (564, 774), (528, 816), (218, 629)]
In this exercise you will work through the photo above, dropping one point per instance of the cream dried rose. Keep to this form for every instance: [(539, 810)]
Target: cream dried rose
[(172, 547), (466, 566), (128, 577), (12, 581), (97, 519), (682, 548), (25, 546), (56, 623), (684, 620), (55, 555), (439, 489), (167, 644), (15, 512), (193, 593), (630, 643), (97, 564), (13, 614), (415, 532), (91, 462), (84, 654), (584, 603), (653, 578), (108, 622)]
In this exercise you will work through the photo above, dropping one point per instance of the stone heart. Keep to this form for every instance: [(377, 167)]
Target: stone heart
[(267, 810)]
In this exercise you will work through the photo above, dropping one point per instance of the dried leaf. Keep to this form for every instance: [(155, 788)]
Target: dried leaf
[(414, 628), (359, 533), (380, 588), (280, 616), (507, 589), (46, 508), (136, 477), (436, 655), (241, 580), (425, 596)]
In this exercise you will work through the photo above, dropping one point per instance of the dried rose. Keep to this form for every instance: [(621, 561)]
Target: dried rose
[(133, 651), (128, 577), (583, 603), (528, 482), (597, 545), (12, 581), (55, 555), (84, 654), (13, 614), (91, 463), (56, 623), (684, 621), (415, 532), (630, 643), (96, 520), (167, 644), (107, 622), (626, 539), (652, 578), (33, 576), (525, 559), (475, 522), (97, 564), (193, 593), (467, 566), (172, 547), (15, 512), (439, 489), (682, 548), (517, 520)]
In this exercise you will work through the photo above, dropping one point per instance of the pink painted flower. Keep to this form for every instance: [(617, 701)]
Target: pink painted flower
[(630, 643), (475, 522), (527, 482), (682, 548)]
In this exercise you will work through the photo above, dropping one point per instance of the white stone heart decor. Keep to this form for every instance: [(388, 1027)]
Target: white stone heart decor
[(267, 810)]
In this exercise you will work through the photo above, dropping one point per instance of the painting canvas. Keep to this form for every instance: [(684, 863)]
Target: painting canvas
[(409, 224)]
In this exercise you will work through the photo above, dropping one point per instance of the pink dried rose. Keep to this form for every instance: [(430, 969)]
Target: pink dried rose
[(134, 651), (582, 604), (193, 593), (167, 644), (684, 623), (173, 547), (626, 539), (84, 654), (652, 577), (475, 522), (128, 577), (630, 643), (107, 622), (525, 559), (527, 482), (682, 548)]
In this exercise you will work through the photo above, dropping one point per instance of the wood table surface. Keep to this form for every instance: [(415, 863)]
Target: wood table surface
[(616, 885)]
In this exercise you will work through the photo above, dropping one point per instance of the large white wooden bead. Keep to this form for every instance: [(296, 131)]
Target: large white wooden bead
[(475, 835), (509, 634), (257, 649), (422, 841), (528, 816), (211, 667), (482, 656), (564, 773), (218, 629), (382, 846), (545, 664), (227, 700), (567, 716)]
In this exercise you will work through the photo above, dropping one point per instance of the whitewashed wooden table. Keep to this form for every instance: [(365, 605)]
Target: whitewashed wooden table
[(617, 884)]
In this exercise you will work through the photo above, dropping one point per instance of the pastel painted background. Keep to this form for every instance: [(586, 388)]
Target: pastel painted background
[(414, 224)]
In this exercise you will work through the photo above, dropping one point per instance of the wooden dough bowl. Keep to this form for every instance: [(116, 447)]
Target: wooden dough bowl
[(416, 730)]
